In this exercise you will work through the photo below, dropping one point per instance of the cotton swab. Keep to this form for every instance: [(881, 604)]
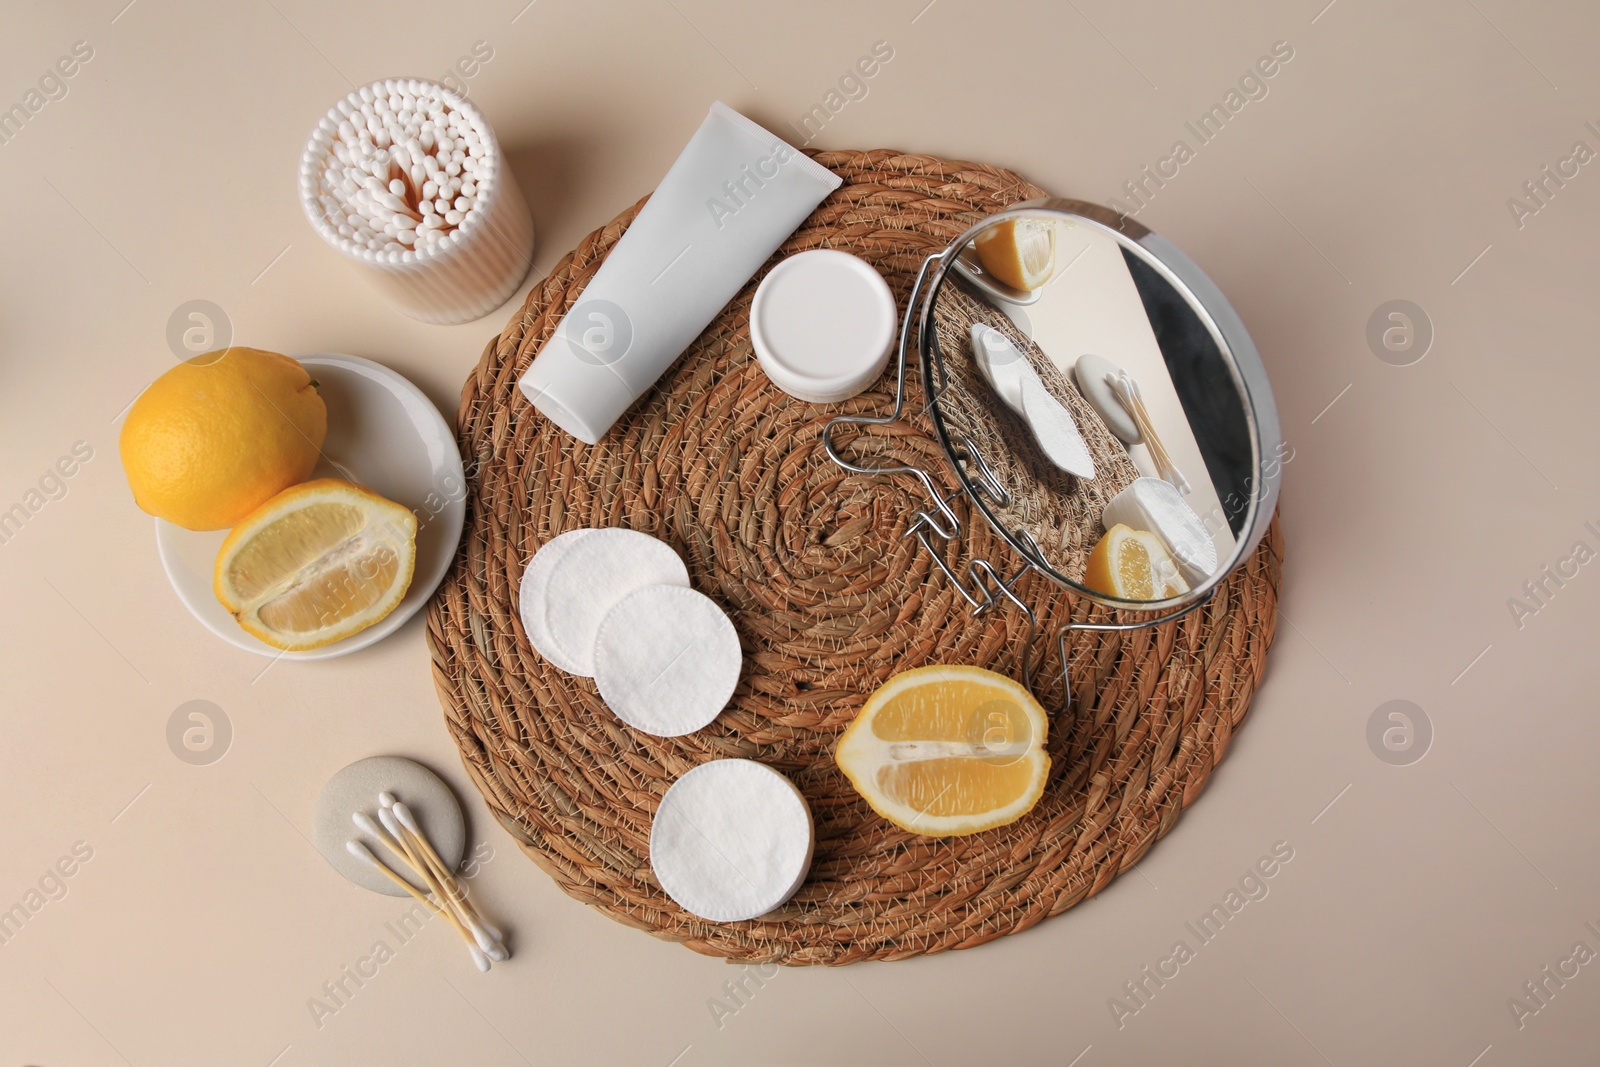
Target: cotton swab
[(367, 825), (388, 800), (409, 823), (364, 854), (1127, 390), (393, 838), (444, 888), (384, 151), (412, 857)]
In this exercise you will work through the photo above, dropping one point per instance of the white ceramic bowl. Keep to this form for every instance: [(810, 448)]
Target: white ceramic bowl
[(383, 433)]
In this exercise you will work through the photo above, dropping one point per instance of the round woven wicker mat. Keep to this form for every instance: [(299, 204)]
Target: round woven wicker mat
[(830, 600)]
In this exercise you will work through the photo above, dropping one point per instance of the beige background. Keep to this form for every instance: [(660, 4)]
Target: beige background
[(1418, 501)]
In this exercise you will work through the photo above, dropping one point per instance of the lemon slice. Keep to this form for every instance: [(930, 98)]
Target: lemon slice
[(944, 751), (1133, 565), (1019, 252), (318, 562)]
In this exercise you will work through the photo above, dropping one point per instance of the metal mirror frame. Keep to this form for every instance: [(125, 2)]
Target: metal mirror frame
[(984, 587), (975, 474)]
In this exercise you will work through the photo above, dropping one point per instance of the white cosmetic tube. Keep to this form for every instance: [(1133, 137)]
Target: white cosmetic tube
[(731, 198)]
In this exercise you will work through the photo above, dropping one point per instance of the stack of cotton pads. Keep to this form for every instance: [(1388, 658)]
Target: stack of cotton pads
[(732, 839), (1016, 382), (615, 605)]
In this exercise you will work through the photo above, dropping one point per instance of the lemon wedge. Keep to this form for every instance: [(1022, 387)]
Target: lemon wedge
[(318, 562), (1019, 252), (944, 751), (1133, 565)]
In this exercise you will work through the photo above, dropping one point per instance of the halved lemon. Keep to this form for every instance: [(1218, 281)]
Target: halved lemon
[(1134, 565), (944, 751), (318, 562), (1019, 252)]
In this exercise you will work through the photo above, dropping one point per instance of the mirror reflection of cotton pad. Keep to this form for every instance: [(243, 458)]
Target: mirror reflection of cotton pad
[(533, 591), (1055, 430), (731, 840), (666, 660), (1156, 505), (1015, 381), (591, 576)]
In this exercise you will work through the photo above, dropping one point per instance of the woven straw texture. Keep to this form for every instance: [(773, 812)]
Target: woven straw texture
[(1058, 510), (830, 599)]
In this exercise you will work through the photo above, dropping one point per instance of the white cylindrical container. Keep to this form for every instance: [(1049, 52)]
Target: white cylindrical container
[(733, 196), (390, 157), (822, 324)]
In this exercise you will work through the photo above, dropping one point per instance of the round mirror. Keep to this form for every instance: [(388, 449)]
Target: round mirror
[(1101, 403)]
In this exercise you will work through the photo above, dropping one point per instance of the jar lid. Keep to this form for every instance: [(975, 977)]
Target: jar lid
[(822, 324)]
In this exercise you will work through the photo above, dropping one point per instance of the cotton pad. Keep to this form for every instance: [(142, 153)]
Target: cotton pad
[(590, 577), (534, 590), (731, 840), (666, 660), (1156, 505)]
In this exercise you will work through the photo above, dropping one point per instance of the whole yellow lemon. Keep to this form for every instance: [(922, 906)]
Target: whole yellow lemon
[(216, 436)]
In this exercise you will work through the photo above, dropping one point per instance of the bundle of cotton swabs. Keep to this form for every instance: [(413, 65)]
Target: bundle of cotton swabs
[(401, 835), (404, 165)]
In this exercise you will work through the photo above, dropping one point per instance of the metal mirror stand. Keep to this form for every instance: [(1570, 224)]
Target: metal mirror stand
[(983, 587)]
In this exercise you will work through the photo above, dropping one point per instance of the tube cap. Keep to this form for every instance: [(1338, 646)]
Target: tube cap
[(822, 324)]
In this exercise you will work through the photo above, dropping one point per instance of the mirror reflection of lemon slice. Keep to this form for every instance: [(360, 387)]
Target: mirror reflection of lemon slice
[(1133, 565), (318, 562), (944, 751), (1019, 252)]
